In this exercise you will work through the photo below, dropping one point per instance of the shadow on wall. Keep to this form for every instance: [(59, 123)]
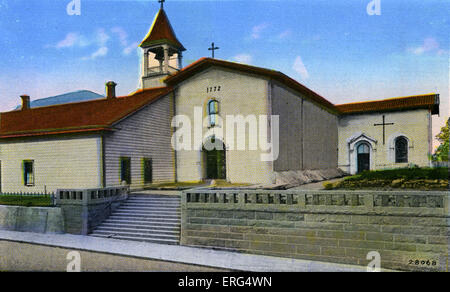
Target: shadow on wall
[(31, 219)]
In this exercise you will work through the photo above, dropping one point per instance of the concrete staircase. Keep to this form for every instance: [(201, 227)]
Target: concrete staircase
[(150, 218)]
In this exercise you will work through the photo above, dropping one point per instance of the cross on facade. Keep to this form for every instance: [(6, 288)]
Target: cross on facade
[(384, 124), (162, 3), (213, 48)]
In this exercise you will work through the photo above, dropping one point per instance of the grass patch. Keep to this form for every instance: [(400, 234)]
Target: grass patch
[(403, 178), (403, 173), (27, 201)]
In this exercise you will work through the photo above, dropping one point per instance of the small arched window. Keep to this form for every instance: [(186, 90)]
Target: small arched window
[(213, 111), (363, 149), (401, 150)]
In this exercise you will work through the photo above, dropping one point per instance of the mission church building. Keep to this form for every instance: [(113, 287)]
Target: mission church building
[(128, 139)]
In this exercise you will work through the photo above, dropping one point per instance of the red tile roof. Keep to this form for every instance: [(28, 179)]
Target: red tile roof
[(204, 63), (94, 115), (430, 101), (102, 114), (161, 32)]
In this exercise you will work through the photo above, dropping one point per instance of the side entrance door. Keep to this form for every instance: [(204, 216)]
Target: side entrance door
[(363, 157)]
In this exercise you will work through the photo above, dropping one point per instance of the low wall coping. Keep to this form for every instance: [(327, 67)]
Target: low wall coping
[(91, 196), (341, 202)]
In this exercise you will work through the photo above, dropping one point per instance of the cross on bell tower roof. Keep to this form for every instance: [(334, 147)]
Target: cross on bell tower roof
[(162, 51), (161, 32)]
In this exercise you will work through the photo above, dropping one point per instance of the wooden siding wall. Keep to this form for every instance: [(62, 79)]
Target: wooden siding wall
[(59, 162), (145, 134)]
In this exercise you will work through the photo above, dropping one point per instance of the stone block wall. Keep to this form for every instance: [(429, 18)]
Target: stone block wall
[(83, 210), (410, 230), (31, 219)]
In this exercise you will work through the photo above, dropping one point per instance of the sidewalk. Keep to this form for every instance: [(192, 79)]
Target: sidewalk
[(177, 254)]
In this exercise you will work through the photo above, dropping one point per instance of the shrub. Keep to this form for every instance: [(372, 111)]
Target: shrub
[(328, 185)]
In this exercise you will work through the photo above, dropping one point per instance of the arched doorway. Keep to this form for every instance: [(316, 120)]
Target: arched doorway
[(363, 157), (215, 160)]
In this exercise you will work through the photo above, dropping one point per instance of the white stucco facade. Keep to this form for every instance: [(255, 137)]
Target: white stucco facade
[(239, 94), (413, 125)]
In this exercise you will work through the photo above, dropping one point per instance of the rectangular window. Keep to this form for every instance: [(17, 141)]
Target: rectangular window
[(125, 170), (148, 171), (28, 172)]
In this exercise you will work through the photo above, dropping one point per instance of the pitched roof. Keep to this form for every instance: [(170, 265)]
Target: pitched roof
[(204, 63), (161, 32), (70, 97), (94, 115), (430, 101)]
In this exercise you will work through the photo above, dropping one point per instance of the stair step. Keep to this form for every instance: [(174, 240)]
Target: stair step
[(163, 218), (131, 228), (136, 234), (151, 218), (147, 210), (143, 203), (140, 226), (143, 222), (149, 221), (145, 218), (154, 210), (153, 206), (152, 240), (143, 211), (174, 215), (154, 199), (150, 211)]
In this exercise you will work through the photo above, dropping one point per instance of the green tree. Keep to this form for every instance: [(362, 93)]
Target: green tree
[(442, 152)]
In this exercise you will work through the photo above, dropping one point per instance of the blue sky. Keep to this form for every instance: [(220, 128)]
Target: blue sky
[(334, 47)]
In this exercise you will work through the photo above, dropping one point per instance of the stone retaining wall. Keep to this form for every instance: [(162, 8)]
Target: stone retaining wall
[(410, 230), (84, 209), (31, 219)]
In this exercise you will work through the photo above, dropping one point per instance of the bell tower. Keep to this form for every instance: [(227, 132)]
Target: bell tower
[(162, 51)]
